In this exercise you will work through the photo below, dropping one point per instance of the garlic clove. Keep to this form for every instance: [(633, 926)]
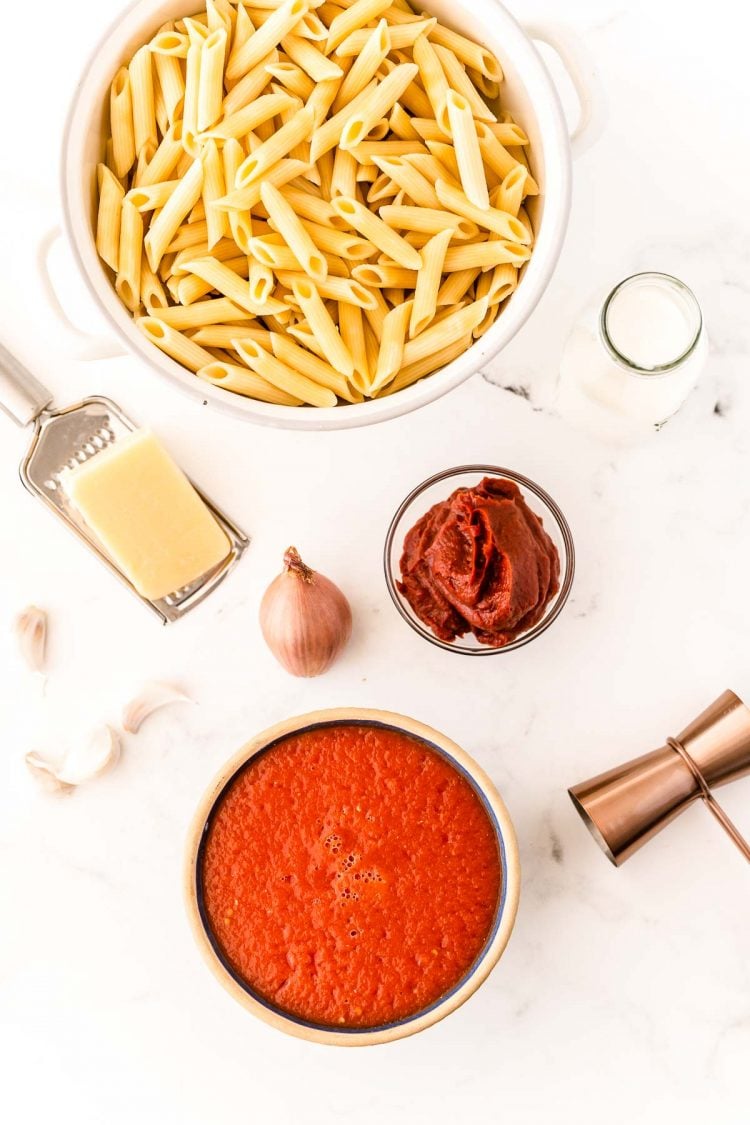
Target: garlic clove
[(91, 758), (46, 773), (153, 697), (31, 633)]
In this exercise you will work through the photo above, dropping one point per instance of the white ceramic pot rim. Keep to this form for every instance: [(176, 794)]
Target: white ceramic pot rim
[(477, 973), (550, 237)]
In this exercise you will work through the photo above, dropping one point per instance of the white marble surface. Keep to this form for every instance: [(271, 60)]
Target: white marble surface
[(624, 995)]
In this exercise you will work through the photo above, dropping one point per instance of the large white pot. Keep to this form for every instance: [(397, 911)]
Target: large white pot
[(528, 92)]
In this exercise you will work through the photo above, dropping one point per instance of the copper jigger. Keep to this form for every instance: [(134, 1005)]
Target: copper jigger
[(626, 806)]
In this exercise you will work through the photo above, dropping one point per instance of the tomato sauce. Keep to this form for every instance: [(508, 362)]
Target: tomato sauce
[(350, 875)]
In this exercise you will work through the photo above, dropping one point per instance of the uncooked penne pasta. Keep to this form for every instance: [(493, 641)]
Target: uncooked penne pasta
[(500, 222), (109, 216), (174, 343), (121, 123), (142, 94), (180, 202), (234, 377), (392, 343), (289, 225), (373, 228), (369, 61), (468, 154), (267, 36), (280, 375), (314, 202), (424, 305), (322, 326)]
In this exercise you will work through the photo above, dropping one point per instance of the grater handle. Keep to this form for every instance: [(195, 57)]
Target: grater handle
[(22, 396)]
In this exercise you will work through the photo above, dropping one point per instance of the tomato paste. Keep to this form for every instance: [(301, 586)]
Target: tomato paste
[(480, 562), (350, 875)]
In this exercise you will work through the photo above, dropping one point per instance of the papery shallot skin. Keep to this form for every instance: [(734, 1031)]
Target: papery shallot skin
[(480, 562)]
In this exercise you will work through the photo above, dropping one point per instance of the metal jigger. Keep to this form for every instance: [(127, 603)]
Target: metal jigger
[(628, 805)]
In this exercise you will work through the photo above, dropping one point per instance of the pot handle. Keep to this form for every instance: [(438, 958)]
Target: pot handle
[(584, 75), (83, 345)]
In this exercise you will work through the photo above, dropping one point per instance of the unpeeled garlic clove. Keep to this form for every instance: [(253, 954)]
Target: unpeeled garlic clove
[(46, 773), (150, 699), (91, 758), (31, 632)]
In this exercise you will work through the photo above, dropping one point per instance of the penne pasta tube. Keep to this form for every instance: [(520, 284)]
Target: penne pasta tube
[(457, 285), (446, 155), (424, 305), (366, 66), (385, 276), (242, 122), (128, 282), (468, 154), (192, 94), (433, 79), (260, 281), (242, 199), (415, 371), (250, 87), (221, 335), (211, 79), (234, 377), (409, 179), (109, 216), (273, 150), (153, 297), (217, 223), (121, 123), (366, 174), (381, 102), (292, 77), (400, 36), (366, 152), (504, 225), (351, 328), (152, 196), (188, 236), (311, 207), (497, 157), (322, 326), (295, 235), (142, 94), (312, 61), (469, 53), (358, 15), (280, 375), (165, 160), (391, 349), (310, 365), (240, 222), (174, 343), (227, 282), (220, 14), (241, 32), (160, 113), (341, 289), (171, 84), (268, 36), (444, 332), (427, 220), (400, 124), (344, 175), (164, 226), (508, 133), (302, 333), (218, 310), (509, 195), (312, 27), (321, 100), (459, 81), (170, 43), (327, 135), (485, 255), (376, 231), (383, 187), (503, 281)]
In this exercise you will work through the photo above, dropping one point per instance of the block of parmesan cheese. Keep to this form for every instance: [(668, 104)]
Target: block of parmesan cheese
[(147, 515)]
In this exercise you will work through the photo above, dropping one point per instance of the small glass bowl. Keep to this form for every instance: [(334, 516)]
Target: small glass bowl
[(439, 487)]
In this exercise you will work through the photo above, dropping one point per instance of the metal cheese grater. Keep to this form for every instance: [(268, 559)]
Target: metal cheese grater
[(65, 438)]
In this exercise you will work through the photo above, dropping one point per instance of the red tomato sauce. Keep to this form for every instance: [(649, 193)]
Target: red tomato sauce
[(350, 875)]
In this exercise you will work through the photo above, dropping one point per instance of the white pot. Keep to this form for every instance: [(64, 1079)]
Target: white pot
[(528, 92)]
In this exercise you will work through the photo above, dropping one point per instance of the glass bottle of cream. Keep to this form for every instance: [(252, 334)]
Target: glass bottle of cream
[(628, 370)]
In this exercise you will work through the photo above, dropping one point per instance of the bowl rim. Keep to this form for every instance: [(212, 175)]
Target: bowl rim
[(507, 905), (561, 596), (550, 236)]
